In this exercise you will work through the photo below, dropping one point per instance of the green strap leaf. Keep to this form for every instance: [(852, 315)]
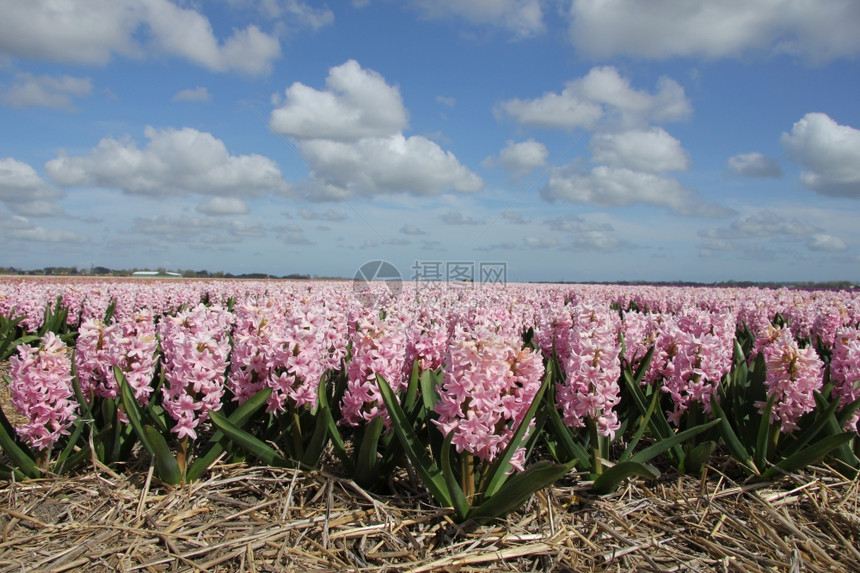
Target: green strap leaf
[(736, 448), (18, 453), (461, 505), (658, 448), (254, 446), (808, 456), (131, 409), (517, 490), (165, 462), (610, 479), (366, 467), (426, 468), (218, 442)]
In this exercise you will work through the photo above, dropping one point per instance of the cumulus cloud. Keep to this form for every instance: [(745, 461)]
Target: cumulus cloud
[(23, 229), (601, 96), (523, 18), (457, 218), (766, 224), (771, 227), (358, 103), (412, 230), (540, 243), (392, 164), (327, 215), (754, 165), (817, 31), (829, 151), (46, 91), (825, 242), (23, 191), (223, 206), (513, 217), (614, 187), (93, 32), (352, 136), (199, 93), (520, 158), (173, 162), (195, 230), (653, 150)]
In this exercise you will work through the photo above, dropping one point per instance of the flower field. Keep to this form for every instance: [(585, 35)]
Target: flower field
[(477, 397)]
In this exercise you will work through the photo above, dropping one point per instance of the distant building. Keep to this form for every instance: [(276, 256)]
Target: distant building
[(155, 274)]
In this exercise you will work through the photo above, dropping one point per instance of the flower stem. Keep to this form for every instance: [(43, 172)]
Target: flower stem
[(596, 463), (467, 475)]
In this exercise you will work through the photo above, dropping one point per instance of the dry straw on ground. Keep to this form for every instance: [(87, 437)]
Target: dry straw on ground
[(271, 519)]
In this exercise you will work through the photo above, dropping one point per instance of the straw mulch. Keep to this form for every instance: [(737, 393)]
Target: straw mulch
[(271, 519)]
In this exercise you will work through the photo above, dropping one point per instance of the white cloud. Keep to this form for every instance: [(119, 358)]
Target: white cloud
[(763, 224), (520, 158), (601, 95), (23, 191), (830, 152), (293, 11), (513, 217), (358, 103), (412, 230), (754, 165), (652, 151), (173, 162), (446, 101), (818, 31), (614, 187), (457, 218), (223, 206), (540, 243), (197, 230), (327, 215), (351, 135), (825, 242), (23, 229), (523, 18), (46, 91), (93, 32), (200, 93), (392, 164)]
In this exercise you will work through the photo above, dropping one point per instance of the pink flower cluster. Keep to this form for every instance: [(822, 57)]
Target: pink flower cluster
[(129, 343), (590, 389), (693, 353), (196, 346), (845, 371), (378, 347), (41, 390), (284, 349), (489, 385), (793, 375)]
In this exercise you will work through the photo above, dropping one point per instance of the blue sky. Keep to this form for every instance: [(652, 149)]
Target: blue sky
[(570, 140)]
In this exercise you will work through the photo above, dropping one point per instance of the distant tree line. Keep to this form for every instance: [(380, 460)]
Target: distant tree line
[(107, 272)]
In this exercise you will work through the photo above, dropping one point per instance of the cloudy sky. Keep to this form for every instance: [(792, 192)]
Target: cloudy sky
[(568, 139)]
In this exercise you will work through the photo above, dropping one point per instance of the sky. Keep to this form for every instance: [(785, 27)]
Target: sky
[(556, 140)]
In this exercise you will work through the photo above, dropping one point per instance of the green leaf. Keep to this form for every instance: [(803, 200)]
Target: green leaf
[(429, 393), (501, 465), (218, 442), (808, 456), (319, 438), (60, 464), (611, 478), (736, 448), (657, 421), (132, 410), (257, 448), (18, 453), (661, 446), (573, 449), (765, 432), (365, 468), (517, 490), (461, 505), (643, 424), (825, 411), (426, 468), (696, 458), (165, 462)]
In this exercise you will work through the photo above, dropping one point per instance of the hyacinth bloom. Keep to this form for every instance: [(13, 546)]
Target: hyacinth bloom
[(129, 344), (590, 390), (693, 352), (793, 375), (41, 390), (488, 386), (281, 349), (378, 347), (845, 371), (196, 348)]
